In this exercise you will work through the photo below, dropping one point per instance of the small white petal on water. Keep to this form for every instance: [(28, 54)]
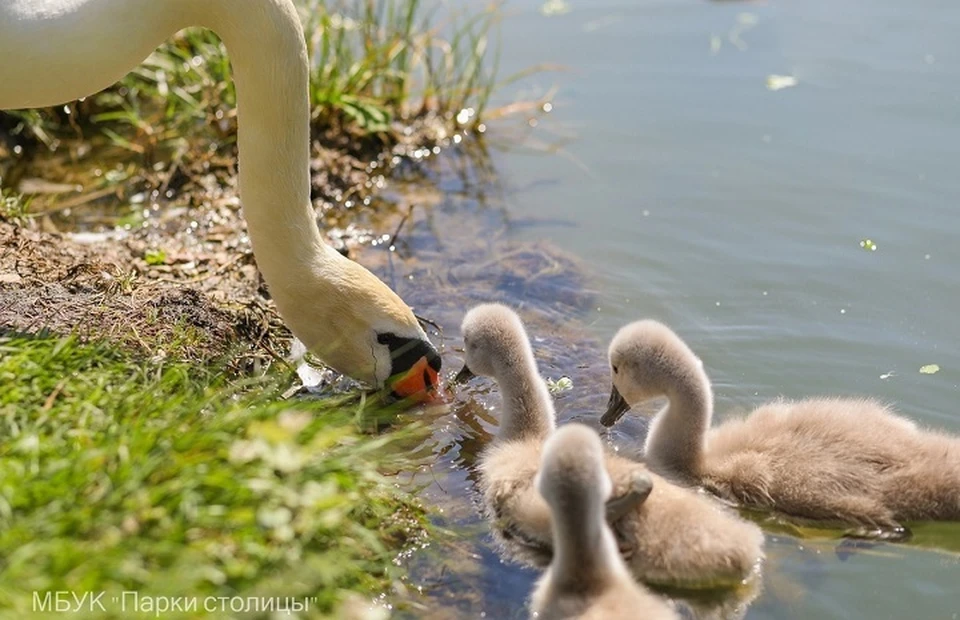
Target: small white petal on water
[(555, 7), (779, 82)]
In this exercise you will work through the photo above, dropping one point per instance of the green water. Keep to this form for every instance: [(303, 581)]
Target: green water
[(696, 195)]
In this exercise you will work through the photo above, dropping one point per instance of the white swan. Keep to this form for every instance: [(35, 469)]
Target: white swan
[(54, 51)]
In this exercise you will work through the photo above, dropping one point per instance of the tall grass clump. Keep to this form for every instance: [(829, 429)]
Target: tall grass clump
[(379, 61)]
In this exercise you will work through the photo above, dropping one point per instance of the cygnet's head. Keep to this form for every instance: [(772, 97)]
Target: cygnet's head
[(572, 475), (646, 360), (493, 340)]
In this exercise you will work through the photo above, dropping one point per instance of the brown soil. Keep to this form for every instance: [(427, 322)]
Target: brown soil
[(202, 307)]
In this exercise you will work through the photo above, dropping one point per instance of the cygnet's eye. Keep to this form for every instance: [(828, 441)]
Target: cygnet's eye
[(615, 371)]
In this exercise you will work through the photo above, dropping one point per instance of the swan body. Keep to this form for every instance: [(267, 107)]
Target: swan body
[(587, 579), (55, 51), (829, 459), (669, 535)]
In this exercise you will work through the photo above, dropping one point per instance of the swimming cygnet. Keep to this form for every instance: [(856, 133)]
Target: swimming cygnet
[(831, 459), (587, 579)]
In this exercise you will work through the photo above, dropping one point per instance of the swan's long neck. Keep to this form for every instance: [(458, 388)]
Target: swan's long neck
[(585, 551), (676, 439), (527, 405), (265, 42)]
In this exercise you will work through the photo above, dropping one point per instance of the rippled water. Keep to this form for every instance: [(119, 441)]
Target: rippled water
[(696, 195)]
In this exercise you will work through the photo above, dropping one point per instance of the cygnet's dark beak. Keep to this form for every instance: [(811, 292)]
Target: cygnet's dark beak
[(464, 375), (616, 407)]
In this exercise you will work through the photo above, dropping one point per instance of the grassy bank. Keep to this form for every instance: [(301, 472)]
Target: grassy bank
[(124, 474)]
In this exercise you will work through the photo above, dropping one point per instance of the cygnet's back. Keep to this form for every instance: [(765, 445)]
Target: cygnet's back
[(587, 579)]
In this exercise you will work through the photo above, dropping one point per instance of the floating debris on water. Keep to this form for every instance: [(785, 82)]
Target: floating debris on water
[(715, 44), (562, 384), (887, 375), (869, 245), (555, 7), (929, 369), (603, 22), (779, 82), (745, 22)]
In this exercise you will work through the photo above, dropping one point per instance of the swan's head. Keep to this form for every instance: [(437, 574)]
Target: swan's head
[(414, 365), (572, 474), (494, 340), (647, 360), (359, 327), (395, 357)]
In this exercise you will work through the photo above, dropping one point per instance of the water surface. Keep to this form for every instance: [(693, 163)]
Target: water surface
[(696, 195)]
